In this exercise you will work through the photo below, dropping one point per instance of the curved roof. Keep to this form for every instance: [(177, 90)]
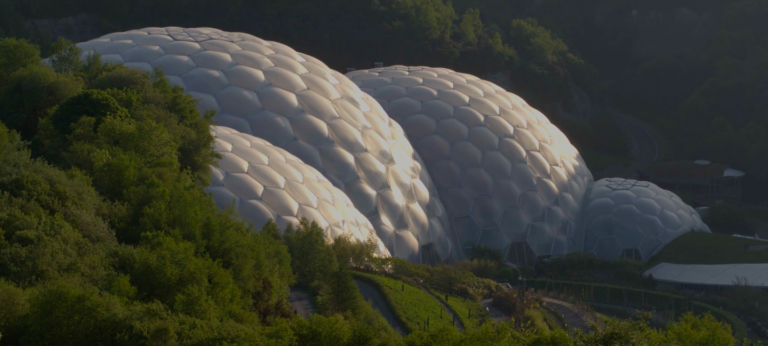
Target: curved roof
[(700, 170), (634, 219), (296, 102), (711, 274), (504, 172), (266, 182)]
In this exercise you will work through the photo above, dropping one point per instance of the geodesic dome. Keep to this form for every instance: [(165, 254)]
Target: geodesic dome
[(266, 182), (634, 219), (296, 102), (509, 178)]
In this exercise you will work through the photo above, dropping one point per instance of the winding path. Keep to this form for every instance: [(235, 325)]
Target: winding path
[(371, 294), (573, 316), (495, 313), (301, 302)]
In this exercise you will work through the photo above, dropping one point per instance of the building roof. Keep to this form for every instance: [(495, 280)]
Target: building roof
[(710, 275), (688, 170)]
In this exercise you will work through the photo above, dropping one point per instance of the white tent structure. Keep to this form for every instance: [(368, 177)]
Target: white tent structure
[(710, 275)]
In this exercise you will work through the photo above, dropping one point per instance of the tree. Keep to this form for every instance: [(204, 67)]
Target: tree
[(699, 331), (30, 93), (726, 218), (16, 54)]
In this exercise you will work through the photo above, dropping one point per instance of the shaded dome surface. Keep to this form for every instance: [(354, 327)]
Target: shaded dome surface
[(509, 178), (633, 219), (297, 103), (266, 182)]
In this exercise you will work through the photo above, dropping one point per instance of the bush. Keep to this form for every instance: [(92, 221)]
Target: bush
[(728, 219)]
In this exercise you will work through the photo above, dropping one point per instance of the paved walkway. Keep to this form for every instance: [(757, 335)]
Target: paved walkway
[(574, 317), (372, 294), (301, 302), (495, 313)]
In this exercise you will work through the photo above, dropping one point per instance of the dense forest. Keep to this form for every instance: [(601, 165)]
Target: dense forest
[(108, 238)]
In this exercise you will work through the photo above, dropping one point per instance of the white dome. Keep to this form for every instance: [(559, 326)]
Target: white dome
[(634, 219), (266, 182), (296, 102), (506, 175)]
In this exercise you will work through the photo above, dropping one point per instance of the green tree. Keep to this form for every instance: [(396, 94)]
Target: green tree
[(30, 93), (699, 331), (728, 219), (16, 54)]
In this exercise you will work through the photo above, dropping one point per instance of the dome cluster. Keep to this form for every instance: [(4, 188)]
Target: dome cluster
[(633, 219), (295, 102), (298, 139), (505, 173)]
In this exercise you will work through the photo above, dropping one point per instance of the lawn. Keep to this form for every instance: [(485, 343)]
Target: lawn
[(412, 305), (462, 306), (709, 248)]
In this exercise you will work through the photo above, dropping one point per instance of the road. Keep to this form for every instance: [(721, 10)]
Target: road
[(301, 302), (574, 317), (371, 294), (495, 313)]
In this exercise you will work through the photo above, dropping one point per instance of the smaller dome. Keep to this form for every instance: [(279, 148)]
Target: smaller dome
[(633, 219), (264, 181)]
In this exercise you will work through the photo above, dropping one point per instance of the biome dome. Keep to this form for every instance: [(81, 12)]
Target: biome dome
[(633, 219), (266, 182), (297, 103), (508, 177)]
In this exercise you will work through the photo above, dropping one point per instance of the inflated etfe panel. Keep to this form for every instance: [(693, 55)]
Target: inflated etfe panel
[(266, 182), (297, 103), (634, 219), (506, 175)]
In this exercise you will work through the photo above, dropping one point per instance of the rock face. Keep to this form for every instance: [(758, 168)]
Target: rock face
[(633, 219), (295, 102), (510, 179), (266, 182)]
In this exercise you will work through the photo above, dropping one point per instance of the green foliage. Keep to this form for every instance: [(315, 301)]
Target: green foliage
[(589, 268), (728, 219), (461, 308), (709, 248), (65, 56), (311, 259), (29, 94), (624, 332), (451, 279), (16, 54), (412, 305)]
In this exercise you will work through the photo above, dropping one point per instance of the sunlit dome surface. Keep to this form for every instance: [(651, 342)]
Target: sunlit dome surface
[(266, 182), (634, 219), (506, 175), (296, 102)]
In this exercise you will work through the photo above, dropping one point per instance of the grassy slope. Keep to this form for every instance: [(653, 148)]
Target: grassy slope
[(706, 248), (461, 307), (412, 306)]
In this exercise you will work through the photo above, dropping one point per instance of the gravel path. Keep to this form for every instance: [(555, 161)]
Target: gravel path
[(372, 294), (573, 316), (495, 313)]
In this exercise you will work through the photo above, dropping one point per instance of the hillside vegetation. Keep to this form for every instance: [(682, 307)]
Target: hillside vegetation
[(108, 238)]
